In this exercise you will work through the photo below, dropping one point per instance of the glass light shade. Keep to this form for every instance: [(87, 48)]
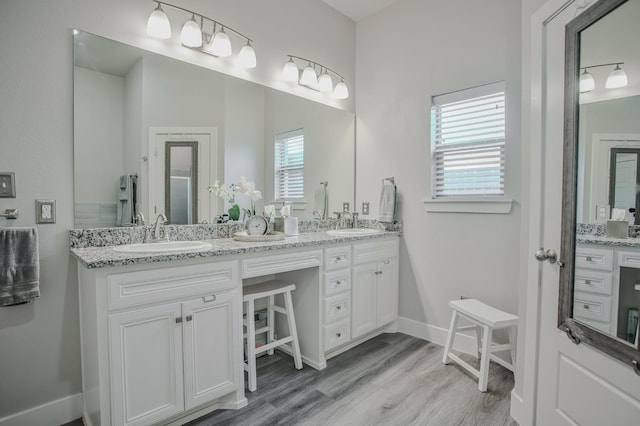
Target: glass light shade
[(191, 35), (220, 44), (309, 76), (341, 91), (158, 25), (247, 56), (290, 71), (586, 82), (617, 78), (325, 83)]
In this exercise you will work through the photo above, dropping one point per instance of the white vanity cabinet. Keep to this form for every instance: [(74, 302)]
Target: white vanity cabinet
[(593, 287), (375, 279), (336, 297), (161, 343)]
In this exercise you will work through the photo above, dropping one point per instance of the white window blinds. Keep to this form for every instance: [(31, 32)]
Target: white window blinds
[(468, 139), (289, 165)]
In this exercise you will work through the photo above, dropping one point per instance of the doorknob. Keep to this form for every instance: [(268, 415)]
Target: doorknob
[(549, 254)]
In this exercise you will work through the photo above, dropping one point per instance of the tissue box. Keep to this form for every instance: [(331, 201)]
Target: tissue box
[(618, 229), (290, 226)]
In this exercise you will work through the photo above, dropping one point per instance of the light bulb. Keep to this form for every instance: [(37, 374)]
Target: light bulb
[(247, 56), (617, 78), (158, 25), (309, 76), (341, 91), (290, 72), (220, 44), (191, 35), (325, 83), (586, 82)]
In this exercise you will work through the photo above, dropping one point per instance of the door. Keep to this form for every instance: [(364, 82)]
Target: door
[(387, 292), (146, 365), (209, 348), (363, 299), (575, 383)]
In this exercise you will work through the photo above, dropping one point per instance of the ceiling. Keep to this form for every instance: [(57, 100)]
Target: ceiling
[(359, 9)]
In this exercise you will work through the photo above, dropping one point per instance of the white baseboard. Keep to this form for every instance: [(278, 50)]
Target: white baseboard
[(52, 413), (462, 343)]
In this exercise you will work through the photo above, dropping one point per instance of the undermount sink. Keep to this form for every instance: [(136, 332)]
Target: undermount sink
[(353, 232), (162, 246)]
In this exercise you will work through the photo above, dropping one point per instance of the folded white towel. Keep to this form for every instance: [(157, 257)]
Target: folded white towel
[(19, 265), (387, 206)]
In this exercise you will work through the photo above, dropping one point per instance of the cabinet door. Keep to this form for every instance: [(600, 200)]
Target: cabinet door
[(146, 365), (363, 300), (387, 292), (210, 339)]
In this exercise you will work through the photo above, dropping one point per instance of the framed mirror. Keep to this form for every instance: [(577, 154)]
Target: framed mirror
[(129, 102), (599, 282)]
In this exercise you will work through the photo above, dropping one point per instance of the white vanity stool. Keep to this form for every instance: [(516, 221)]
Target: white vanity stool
[(263, 290), (486, 319)]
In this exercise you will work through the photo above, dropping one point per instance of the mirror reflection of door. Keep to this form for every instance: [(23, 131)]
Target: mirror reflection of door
[(181, 182), (623, 182)]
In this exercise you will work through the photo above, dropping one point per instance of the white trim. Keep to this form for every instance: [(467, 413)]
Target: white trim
[(55, 412), (517, 408), (462, 343), (469, 205)]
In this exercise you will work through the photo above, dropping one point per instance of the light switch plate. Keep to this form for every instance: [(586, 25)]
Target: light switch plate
[(7, 185), (345, 206), (45, 211)]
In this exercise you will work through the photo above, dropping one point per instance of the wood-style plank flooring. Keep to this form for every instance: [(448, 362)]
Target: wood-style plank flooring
[(393, 379)]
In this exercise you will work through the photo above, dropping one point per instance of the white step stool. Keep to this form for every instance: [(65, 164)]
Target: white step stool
[(258, 291), (486, 319)]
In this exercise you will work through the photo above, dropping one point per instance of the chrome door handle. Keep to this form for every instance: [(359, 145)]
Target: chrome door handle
[(550, 255)]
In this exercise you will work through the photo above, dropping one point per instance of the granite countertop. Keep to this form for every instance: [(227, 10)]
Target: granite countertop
[(607, 241), (99, 257)]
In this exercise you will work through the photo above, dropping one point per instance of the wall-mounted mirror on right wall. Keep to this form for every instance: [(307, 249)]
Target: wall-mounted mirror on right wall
[(600, 280)]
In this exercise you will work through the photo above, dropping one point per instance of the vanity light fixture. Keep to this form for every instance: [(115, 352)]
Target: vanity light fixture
[(201, 33), (310, 79), (617, 78)]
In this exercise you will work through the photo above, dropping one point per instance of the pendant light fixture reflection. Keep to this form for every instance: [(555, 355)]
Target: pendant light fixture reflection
[(309, 76), (247, 56), (191, 34), (290, 71), (341, 91), (587, 83), (220, 44), (617, 78), (158, 24)]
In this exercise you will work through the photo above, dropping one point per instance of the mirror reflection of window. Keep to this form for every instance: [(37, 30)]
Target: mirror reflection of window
[(289, 166), (181, 171)]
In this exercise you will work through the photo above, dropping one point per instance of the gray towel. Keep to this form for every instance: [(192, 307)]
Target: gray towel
[(387, 207), (19, 265)]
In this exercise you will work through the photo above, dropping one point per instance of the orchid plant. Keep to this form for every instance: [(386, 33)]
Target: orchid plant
[(228, 193)]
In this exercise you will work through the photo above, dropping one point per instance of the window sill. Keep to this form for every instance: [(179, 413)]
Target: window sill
[(469, 205), (295, 205)]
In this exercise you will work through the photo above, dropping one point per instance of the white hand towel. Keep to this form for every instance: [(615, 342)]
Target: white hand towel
[(387, 206), (19, 266)]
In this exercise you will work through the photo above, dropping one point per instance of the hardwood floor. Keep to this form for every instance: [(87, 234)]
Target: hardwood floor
[(393, 379)]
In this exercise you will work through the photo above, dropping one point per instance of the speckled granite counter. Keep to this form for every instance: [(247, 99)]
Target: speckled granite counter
[(606, 241), (99, 257)]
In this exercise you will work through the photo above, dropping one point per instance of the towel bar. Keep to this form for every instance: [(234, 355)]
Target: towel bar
[(10, 214)]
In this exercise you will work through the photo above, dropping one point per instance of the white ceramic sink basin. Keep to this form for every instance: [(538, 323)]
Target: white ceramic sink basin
[(162, 247), (354, 232)]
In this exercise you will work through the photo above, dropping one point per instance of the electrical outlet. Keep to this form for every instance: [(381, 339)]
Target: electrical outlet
[(345, 206), (7, 185), (365, 208), (45, 211)]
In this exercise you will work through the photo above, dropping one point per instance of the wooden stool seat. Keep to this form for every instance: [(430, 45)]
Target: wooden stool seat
[(269, 290), (485, 320)]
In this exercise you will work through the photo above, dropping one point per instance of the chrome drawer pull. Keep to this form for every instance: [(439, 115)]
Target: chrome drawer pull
[(211, 298), (338, 307), (386, 262), (178, 320), (586, 306), (189, 317), (587, 282), (588, 258)]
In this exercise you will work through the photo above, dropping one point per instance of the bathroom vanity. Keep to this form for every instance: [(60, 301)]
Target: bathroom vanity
[(162, 335)]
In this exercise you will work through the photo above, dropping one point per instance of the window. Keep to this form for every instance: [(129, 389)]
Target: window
[(289, 165), (467, 142)]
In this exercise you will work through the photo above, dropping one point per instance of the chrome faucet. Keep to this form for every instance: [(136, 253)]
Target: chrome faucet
[(354, 222), (160, 221), (140, 219), (343, 222)]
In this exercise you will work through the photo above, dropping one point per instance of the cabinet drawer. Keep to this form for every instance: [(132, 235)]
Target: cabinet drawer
[(337, 281), (629, 259), (593, 281), (142, 287), (337, 307), (594, 259), (592, 307), (337, 257), (265, 265), (601, 326), (375, 250), (337, 334)]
